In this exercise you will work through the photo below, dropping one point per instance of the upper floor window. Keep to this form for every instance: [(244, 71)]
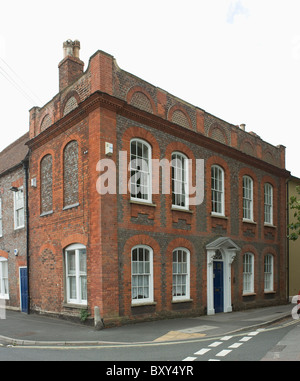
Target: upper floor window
[(19, 208), (181, 274), (71, 174), (268, 203), (3, 278), (141, 274), (268, 273), (247, 198), (179, 180), (140, 170), (76, 274), (46, 184), (248, 273), (217, 190)]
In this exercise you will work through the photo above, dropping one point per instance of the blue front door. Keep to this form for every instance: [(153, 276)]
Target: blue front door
[(218, 287), (24, 289)]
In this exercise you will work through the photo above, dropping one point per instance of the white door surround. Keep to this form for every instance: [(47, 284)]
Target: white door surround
[(228, 249)]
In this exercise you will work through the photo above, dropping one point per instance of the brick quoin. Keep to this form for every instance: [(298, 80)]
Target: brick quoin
[(110, 225)]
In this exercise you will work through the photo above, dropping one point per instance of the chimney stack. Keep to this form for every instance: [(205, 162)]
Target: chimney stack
[(71, 67), (243, 127)]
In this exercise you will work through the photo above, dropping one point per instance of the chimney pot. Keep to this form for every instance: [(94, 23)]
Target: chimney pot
[(243, 126), (71, 67)]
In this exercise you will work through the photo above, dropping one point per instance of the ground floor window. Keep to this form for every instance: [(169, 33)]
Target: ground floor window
[(248, 273), (76, 275), (141, 274), (268, 272), (181, 274), (3, 278)]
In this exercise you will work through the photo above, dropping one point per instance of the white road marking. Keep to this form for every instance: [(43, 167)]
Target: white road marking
[(189, 359), (214, 360), (246, 338), (202, 351), (215, 344), (235, 345), (223, 353), (225, 338)]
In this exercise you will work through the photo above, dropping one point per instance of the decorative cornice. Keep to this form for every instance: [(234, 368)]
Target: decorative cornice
[(100, 99)]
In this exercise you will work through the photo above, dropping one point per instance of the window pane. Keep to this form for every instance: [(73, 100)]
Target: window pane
[(82, 261), (71, 262), (83, 288), (72, 287)]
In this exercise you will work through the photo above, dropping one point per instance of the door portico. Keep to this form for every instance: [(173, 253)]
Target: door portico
[(222, 249)]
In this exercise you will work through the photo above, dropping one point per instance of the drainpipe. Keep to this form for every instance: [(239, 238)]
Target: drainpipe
[(25, 163)]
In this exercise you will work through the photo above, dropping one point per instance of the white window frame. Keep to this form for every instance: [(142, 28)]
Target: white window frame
[(78, 275), (217, 191), (247, 198), (268, 204), (180, 181), (19, 208), (269, 273), (4, 286), (1, 220), (248, 273), (181, 274), (141, 274), (143, 174)]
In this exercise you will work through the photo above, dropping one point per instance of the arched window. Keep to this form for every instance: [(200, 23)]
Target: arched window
[(268, 273), (141, 274), (268, 204), (46, 184), (180, 179), (3, 278), (217, 190), (247, 198), (248, 273), (140, 170), (76, 274), (71, 174), (181, 274)]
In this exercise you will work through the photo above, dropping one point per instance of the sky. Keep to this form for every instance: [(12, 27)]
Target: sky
[(236, 59)]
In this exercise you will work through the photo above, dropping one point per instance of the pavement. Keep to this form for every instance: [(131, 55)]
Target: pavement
[(34, 329)]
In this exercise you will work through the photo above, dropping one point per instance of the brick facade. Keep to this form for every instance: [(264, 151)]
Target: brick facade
[(13, 237), (108, 105)]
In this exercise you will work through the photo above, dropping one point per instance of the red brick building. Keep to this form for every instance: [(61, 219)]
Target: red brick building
[(145, 253)]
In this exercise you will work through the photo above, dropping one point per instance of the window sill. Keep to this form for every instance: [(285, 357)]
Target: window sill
[(269, 292), (266, 225), (74, 305), (174, 208), (145, 203), (143, 304), (46, 213), (249, 221), (71, 206), (174, 301), (19, 227), (218, 216), (249, 294)]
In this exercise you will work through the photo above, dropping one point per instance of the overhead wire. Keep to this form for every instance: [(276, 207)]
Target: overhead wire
[(20, 87)]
